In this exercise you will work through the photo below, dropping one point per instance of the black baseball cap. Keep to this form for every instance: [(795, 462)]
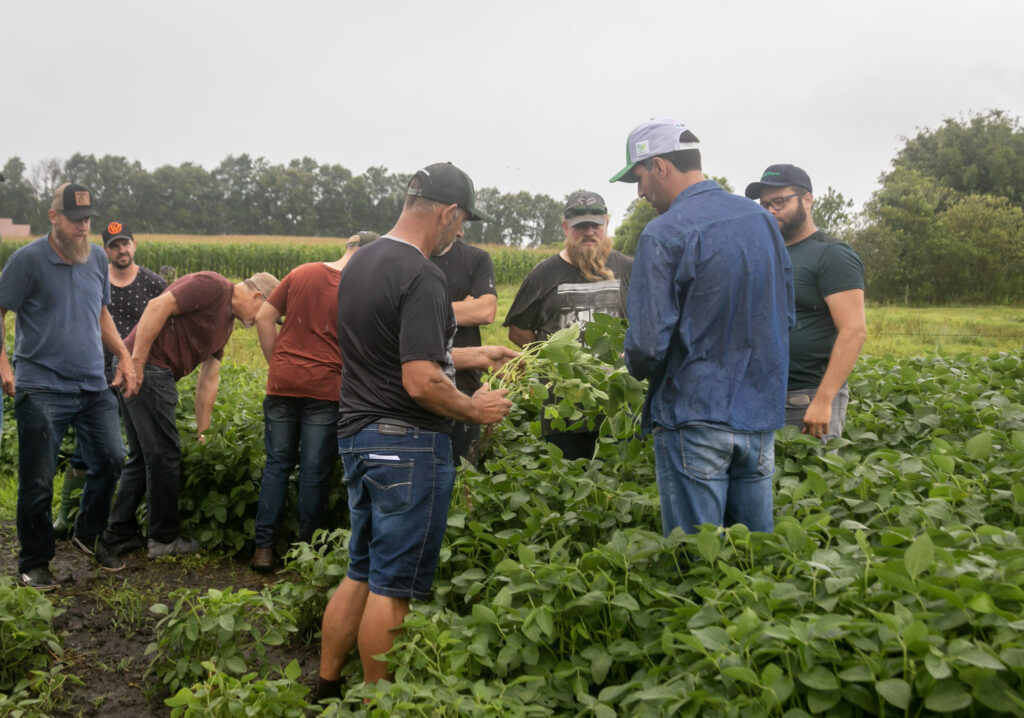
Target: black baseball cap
[(583, 206), (779, 176), (445, 183), (74, 200), (115, 231)]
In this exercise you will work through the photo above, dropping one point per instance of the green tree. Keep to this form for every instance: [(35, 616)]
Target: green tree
[(521, 219), (833, 213), (17, 197), (638, 214), (902, 228), (981, 154), (183, 200), (978, 256)]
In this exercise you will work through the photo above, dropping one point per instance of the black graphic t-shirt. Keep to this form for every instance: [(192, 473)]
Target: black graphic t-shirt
[(393, 307), (555, 295), (127, 305), (469, 272)]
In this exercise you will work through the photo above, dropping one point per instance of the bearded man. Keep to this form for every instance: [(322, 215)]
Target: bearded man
[(59, 288), (586, 277), (828, 278)]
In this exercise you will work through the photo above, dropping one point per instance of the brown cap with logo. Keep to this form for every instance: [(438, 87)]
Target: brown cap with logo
[(74, 201)]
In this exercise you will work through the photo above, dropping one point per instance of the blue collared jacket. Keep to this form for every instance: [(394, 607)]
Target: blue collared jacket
[(710, 308)]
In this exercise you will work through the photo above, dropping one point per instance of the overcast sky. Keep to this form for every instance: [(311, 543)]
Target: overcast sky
[(523, 95)]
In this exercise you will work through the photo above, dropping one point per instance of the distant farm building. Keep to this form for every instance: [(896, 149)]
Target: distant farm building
[(9, 229)]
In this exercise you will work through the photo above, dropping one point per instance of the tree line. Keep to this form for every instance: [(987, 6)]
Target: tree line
[(247, 195), (946, 226)]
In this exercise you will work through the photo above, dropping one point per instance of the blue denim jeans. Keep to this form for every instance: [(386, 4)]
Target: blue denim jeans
[(400, 482), (713, 475), (43, 417), (296, 430), (153, 469)]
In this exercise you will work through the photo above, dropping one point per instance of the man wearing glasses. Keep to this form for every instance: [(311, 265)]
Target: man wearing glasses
[(830, 327)]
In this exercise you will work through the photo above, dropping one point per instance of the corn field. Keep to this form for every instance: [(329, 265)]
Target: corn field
[(238, 259)]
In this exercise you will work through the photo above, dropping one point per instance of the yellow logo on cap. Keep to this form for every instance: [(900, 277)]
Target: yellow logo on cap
[(82, 199), (642, 148)]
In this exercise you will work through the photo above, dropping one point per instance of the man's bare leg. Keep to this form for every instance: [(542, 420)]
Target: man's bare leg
[(340, 627), (382, 617)]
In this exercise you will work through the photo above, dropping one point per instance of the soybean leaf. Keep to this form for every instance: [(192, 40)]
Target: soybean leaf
[(919, 556), (894, 690)]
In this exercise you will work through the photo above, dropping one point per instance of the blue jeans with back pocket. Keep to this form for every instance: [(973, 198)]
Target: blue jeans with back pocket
[(399, 481), (710, 474)]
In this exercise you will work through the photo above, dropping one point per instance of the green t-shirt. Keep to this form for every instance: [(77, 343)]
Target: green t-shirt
[(822, 266)]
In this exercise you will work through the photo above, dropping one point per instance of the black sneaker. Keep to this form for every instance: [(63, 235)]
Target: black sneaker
[(39, 578), (128, 545), (108, 560), (105, 557)]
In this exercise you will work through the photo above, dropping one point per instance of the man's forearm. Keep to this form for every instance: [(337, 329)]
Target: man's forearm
[(206, 393), (267, 333), (150, 325), (441, 396), (475, 311), (841, 361)]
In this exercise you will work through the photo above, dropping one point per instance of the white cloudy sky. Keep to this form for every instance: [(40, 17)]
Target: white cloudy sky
[(524, 95)]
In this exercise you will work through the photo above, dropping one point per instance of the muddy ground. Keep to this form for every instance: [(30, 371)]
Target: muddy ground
[(105, 634)]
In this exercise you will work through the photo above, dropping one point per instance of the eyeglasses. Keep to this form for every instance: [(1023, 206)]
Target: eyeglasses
[(780, 202)]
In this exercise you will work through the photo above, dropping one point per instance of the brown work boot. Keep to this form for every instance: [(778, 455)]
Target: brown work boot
[(262, 560)]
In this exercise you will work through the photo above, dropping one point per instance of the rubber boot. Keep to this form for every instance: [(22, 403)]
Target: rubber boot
[(74, 479)]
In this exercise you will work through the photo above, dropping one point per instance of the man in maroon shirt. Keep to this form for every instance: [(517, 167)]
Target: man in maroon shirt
[(185, 327)]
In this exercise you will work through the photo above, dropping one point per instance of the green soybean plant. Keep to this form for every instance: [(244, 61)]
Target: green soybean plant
[(233, 630)]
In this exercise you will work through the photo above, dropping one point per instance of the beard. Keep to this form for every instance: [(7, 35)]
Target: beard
[(76, 250), (449, 233), (589, 259), (794, 223)]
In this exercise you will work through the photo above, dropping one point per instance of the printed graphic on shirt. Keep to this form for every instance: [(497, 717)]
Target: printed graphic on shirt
[(577, 303)]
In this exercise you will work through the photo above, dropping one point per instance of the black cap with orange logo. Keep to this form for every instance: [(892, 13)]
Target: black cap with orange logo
[(115, 231)]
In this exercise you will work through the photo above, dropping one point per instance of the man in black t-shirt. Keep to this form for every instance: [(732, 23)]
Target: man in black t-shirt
[(828, 277), (586, 277), (131, 288), (469, 273), (397, 403)]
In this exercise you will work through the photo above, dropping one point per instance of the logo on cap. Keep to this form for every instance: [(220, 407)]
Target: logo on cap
[(642, 148), (114, 227), (82, 199)]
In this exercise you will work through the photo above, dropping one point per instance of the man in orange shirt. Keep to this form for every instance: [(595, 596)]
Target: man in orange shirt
[(301, 407)]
